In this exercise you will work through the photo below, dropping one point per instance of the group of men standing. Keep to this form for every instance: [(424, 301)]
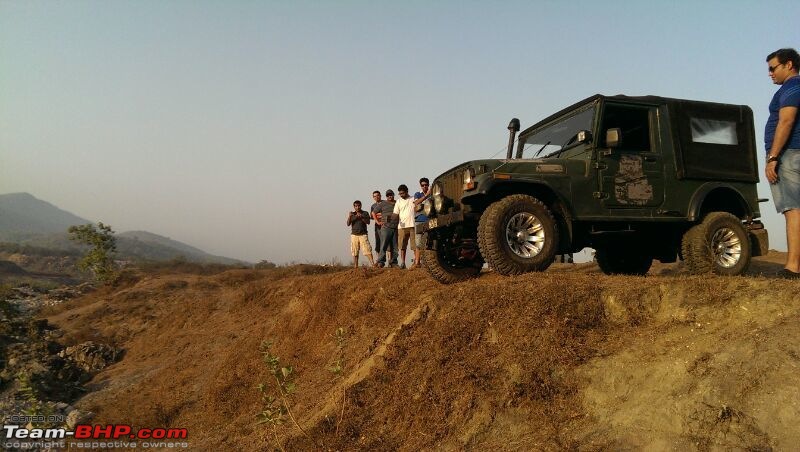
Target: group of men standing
[(395, 224)]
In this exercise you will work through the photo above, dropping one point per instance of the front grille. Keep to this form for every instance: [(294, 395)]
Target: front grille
[(453, 187)]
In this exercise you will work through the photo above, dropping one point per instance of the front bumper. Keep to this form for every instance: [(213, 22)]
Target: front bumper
[(440, 221)]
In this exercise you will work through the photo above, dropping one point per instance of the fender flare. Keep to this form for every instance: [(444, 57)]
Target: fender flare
[(554, 201), (700, 195)]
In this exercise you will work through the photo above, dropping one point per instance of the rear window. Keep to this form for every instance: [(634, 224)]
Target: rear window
[(713, 131), (714, 141)]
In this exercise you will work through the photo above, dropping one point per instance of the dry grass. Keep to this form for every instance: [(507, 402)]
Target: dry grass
[(485, 363)]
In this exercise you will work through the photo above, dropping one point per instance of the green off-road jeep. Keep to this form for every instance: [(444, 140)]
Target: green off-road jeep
[(635, 178)]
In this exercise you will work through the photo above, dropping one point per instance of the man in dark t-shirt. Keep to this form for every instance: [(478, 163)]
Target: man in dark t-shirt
[(359, 239), (374, 213), (388, 222)]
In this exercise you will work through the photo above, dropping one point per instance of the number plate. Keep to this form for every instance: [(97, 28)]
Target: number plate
[(433, 223)]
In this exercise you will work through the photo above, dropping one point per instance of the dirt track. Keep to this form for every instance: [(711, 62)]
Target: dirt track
[(565, 359)]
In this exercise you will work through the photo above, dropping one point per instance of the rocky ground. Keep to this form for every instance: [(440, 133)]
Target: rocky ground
[(39, 377)]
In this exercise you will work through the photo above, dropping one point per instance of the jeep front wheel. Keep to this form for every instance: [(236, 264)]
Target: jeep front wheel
[(518, 234), (451, 260), (719, 244)]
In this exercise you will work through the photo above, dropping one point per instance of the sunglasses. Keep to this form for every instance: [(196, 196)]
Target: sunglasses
[(772, 68)]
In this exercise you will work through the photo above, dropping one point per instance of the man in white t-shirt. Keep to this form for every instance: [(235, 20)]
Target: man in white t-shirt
[(404, 209)]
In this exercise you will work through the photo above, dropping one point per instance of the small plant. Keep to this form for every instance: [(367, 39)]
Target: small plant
[(35, 408), (340, 336), (26, 389), (336, 367), (275, 410)]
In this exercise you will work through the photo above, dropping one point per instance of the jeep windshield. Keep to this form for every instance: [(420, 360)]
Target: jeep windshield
[(559, 136)]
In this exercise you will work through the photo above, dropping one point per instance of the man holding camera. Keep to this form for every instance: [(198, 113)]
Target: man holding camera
[(359, 239)]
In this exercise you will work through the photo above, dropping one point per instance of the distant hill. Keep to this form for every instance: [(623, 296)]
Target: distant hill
[(146, 245), (26, 220), (22, 216)]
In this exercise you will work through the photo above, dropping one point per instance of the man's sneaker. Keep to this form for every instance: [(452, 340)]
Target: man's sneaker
[(403, 266), (788, 274)]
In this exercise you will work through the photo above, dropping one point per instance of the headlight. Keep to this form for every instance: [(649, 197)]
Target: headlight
[(469, 179), (437, 189), (438, 203), (427, 208)]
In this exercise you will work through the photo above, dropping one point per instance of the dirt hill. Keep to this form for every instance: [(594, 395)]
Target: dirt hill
[(390, 360)]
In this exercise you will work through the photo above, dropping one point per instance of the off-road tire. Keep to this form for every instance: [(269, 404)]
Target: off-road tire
[(625, 259), (703, 246), (444, 272), (494, 245)]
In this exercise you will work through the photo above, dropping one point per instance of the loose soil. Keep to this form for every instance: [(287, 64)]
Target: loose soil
[(388, 359)]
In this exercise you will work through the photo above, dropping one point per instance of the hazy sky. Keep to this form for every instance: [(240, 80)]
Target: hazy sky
[(248, 128)]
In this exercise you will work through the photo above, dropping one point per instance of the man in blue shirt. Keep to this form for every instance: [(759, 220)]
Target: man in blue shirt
[(782, 139), (419, 198)]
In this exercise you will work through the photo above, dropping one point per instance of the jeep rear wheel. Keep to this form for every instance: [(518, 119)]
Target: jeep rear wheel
[(450, 262), (518, 234), (719, 244), (620, 258)]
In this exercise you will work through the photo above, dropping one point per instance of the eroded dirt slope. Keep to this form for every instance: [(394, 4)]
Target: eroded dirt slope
[(565, 359)]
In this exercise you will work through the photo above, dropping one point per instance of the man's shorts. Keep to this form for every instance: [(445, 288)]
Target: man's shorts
[(420, 239), (360, 242), (786, 192), (404, 236)]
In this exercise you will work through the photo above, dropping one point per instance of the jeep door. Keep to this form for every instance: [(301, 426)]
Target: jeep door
[(630, 175)]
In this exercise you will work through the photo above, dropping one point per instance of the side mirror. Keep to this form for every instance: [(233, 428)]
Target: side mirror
[(584, 136), (613, 137)]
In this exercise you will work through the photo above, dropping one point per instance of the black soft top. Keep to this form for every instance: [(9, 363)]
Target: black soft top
[(694, 159), (647, 100)]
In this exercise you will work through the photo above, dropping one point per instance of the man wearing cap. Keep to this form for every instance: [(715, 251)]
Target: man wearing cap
[(388, 222)]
